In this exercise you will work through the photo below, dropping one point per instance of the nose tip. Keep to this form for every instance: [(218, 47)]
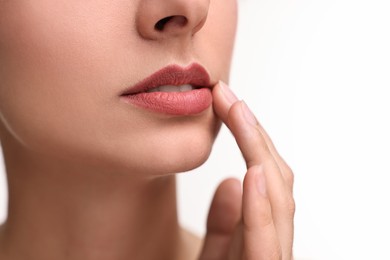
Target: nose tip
[(158, 19)]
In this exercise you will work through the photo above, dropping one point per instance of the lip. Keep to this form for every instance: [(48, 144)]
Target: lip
[(175, 103)]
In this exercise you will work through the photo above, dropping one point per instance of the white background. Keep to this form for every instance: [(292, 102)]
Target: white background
[(317, 74)]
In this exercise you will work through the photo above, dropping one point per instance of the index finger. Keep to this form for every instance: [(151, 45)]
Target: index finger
[(223, 102), (251, 143), (257, 152)]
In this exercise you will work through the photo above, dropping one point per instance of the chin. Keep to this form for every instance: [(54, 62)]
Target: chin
[(180, 151), (172, 147), (184, 157)]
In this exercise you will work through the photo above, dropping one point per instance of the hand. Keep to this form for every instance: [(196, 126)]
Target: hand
[(257, 225)]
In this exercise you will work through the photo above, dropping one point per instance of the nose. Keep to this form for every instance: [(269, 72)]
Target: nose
[(161, 19)]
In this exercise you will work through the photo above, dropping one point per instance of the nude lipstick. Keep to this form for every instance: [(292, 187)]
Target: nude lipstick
[(173, 90)]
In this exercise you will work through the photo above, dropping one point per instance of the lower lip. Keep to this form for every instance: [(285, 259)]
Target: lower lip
[(174, 103)]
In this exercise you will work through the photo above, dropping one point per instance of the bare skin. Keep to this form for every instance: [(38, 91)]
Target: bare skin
[(91, 178), (255, 225)]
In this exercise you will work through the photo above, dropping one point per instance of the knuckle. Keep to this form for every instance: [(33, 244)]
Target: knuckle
[(291, 207), (271, 254), (275, 254), (262, 220), (289, 176), (287, 206)]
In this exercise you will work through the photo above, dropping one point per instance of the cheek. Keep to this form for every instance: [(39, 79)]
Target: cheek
[(53, 66), (61, 72)]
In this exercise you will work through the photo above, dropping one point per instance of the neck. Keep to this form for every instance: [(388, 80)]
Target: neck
[(61, 212)]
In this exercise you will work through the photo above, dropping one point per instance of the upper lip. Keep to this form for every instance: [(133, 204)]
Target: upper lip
[(194, 74)]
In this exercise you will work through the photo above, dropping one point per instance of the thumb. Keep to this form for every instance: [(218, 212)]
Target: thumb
[(224, 214)]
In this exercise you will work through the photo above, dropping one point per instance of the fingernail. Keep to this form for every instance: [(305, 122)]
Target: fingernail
[(249, 116), (260, 182), (228, 93)]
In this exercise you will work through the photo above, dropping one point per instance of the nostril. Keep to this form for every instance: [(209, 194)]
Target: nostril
[(176, 20), (160, 24)]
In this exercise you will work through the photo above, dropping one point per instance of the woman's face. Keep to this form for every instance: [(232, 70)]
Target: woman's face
[(65, 63)]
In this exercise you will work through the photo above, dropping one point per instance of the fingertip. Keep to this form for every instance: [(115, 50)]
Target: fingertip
[(227, 93), (224, 215), (232, 184), (226, 206), (260, 230), (234, 116), (255, 181), (255, 199), (223, 99)]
